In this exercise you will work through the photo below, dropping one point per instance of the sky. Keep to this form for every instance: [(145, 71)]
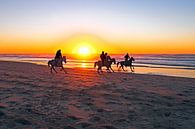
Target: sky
[(116, 26)]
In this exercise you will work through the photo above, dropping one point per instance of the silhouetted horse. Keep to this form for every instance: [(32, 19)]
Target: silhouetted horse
[(53, 63), (107, 65), (126, 63)]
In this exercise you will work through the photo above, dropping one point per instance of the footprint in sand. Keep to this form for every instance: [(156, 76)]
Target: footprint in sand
[(3, 106), (94, 119), (107, 127), (69, 127), (73, 118), (83, 124), (2, 114), (23, 121)]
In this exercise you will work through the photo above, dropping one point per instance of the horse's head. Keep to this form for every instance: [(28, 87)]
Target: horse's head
[(132, 59), (64, 59)]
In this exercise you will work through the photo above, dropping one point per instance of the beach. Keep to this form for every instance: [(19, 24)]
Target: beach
[(33, 98)]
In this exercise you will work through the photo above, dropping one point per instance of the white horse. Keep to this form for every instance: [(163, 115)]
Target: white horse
[(107, 65), (53, 63)]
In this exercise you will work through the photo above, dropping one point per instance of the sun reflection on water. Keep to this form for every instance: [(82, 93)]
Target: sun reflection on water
[(83, 65)]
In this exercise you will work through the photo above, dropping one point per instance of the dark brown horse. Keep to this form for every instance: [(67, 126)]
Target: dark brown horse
[(53, 63), (107, 65), (126, 63)]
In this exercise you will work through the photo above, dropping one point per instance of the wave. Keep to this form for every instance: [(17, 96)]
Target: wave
[(185, 61)]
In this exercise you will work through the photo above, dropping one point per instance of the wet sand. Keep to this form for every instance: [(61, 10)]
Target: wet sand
[(32, 98)]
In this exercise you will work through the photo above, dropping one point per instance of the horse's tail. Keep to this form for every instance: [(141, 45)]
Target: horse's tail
[(118, 63), (95, 64), (48, 63)]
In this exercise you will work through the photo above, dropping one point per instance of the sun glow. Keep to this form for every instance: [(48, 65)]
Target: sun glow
[(83, 50)]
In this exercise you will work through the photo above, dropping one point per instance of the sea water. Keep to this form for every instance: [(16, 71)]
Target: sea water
[(182, 65)]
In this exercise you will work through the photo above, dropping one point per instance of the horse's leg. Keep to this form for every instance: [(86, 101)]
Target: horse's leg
[(111, 69), (51, 69), (123, 68), (107, 69), (100, 68), (54, 69), (119, 68), (64, 69), (131, 69)]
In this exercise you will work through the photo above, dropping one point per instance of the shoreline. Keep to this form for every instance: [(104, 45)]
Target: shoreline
[(32, 97), (116, 71)]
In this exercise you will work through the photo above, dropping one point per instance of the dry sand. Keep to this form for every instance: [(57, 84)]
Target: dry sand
[(32, 98)]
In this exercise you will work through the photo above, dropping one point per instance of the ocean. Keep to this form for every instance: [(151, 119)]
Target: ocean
[(181, 65)]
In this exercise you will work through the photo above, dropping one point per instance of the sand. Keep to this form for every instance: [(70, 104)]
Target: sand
[(32, 98)]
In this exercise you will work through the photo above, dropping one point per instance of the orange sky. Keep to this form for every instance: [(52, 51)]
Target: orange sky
[(96, 44)]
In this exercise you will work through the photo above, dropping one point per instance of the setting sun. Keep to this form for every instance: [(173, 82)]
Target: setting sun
[(83, 50)]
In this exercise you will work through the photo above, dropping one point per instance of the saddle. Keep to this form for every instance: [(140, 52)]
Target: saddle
[(126, 63), (57, 62), (103, 63)]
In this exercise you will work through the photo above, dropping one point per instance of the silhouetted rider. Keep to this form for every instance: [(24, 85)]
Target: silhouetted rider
[(108, 58), (127, 57), (58, 56), (103, 57)]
